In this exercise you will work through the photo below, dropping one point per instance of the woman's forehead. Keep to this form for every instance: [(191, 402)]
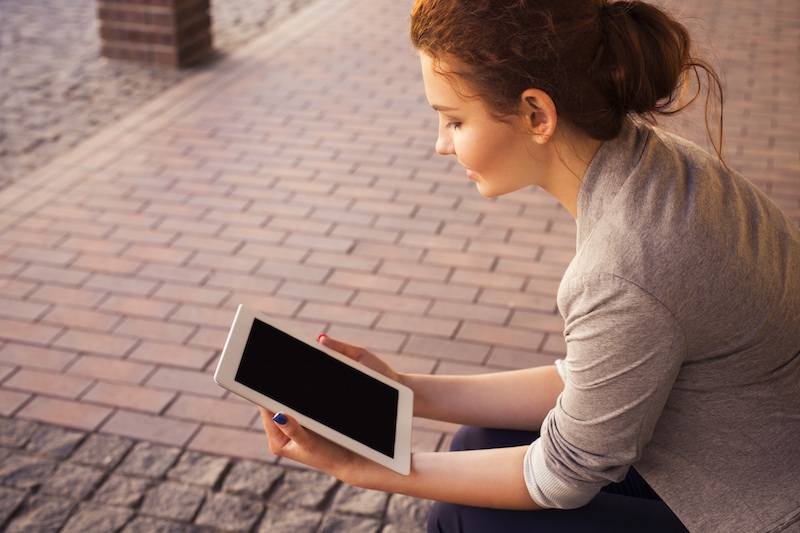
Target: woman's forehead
[(443, 83)]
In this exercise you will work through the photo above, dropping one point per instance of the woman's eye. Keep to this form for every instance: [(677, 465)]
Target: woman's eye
[(454, 125)]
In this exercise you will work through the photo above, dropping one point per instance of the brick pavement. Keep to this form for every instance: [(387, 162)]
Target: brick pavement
[(297, 176), (62, 92)]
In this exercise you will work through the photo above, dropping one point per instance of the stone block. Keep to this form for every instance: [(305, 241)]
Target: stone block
[(304, 488), (252, 478), (15, 433), (97, 519), (409, 514), (402, 528), (25, 471), (54, 441), (226, 512), (72, 481), (146, 524), (10, 499), (173, 501), (41, 514), (349, 524), (199, 469), (149, 460), (123, 490), (101, 450), (290, 520), (354, 500)]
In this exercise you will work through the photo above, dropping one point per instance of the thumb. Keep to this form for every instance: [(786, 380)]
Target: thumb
[(291, 428)]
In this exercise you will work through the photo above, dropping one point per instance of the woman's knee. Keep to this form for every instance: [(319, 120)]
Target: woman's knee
[(441, 518), (473, 438), (465, 438)]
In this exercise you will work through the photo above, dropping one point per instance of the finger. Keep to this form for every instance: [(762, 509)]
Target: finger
[(291, 428), (266, 415), (360, 355), (277, 438), (351, 351)]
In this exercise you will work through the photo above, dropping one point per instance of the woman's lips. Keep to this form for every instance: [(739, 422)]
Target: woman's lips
[(472, 175)]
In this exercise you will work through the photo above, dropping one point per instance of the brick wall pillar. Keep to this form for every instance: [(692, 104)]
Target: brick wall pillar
[(171, 33)]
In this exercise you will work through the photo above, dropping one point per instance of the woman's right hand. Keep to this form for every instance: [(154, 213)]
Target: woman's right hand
[(362, 355)]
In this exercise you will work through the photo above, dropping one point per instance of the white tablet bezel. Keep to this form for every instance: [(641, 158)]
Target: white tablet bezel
[(229, 364)]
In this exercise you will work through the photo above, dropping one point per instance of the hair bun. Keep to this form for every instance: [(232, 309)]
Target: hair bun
[(642, 56)]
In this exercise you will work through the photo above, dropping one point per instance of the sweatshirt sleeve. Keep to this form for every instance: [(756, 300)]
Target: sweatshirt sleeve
[(624, 351)]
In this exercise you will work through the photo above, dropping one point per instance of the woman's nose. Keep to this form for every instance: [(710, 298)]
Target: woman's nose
[(444, 146)]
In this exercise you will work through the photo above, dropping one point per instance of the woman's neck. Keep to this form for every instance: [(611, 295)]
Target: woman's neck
[(571, 156)]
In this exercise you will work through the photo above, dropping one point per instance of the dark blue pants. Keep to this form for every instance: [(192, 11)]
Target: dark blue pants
[(628, 506)]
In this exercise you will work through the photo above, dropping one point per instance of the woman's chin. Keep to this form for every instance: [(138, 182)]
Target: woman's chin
[(486, 192)]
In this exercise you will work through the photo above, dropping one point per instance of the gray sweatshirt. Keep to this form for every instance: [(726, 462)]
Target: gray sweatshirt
[(682, 323)]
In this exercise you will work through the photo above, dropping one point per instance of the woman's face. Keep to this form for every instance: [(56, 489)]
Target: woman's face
[(498, 156)]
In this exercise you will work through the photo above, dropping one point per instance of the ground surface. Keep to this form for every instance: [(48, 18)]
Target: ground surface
[(56, 90), (296, 175)]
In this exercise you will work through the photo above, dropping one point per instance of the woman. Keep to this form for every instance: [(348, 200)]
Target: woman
[(677, 405)]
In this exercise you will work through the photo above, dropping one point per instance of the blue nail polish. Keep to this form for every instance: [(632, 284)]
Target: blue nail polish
[(280, 418)]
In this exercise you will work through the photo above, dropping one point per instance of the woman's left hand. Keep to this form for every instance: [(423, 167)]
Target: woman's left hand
[(293, 441), (484, 478)]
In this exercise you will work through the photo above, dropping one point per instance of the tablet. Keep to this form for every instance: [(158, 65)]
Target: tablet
[(327, 392)]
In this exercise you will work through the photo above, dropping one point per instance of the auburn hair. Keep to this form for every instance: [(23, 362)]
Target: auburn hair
[(598, 60)]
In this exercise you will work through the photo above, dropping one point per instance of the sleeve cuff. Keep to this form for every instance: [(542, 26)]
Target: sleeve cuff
[(562, 369), (547, 490)]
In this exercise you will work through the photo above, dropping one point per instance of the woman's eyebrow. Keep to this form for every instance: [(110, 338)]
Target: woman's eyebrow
[(437, 107)]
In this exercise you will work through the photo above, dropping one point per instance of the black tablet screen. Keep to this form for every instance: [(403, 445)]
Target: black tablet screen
[(311, 382)]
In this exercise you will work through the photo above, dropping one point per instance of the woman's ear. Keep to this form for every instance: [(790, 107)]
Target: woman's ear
[(540, 114)]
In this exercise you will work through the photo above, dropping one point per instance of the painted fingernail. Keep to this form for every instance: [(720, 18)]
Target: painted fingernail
[(321, 336), (280, 418)]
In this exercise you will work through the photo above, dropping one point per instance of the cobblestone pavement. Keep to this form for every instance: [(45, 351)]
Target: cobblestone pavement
[(56, 90), (296, 175), (58, 479)]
